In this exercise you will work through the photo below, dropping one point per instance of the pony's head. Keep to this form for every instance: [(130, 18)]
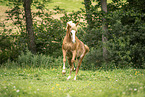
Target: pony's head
[(72, 27)]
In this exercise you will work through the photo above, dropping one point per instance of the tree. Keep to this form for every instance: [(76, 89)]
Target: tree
[(104, 28), (29, 26)]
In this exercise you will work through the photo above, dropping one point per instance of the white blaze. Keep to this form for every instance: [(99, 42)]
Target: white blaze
[(73, 35)]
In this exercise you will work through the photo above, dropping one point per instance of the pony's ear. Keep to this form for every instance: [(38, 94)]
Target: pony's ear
[(77, 23), (68, 26)]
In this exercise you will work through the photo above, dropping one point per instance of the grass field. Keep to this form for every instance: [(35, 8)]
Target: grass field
[(39, 82)]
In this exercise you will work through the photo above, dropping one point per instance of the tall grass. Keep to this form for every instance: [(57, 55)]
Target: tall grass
[(27, 59)]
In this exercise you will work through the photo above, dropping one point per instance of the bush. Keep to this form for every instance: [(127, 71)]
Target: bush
[(27, 59)]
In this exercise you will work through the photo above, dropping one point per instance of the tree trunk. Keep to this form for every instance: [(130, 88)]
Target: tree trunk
[(29, 29), (104, 29), (88, 12)]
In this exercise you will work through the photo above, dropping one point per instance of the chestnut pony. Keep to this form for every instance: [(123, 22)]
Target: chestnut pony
[(73, 48)]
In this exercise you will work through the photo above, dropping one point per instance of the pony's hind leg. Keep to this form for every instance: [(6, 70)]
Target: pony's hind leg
[(79, 64)]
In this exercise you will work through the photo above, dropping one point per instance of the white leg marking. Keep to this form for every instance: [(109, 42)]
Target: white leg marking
[(68, 77), (75, 78), (63, 65), (63, 71)]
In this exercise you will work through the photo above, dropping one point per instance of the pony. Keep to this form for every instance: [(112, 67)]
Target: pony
[(73, 48)]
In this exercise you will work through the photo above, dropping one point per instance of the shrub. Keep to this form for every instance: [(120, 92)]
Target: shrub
[(27, 59)]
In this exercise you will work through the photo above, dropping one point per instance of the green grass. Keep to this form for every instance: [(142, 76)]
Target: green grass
[(68, 5), (39, 82)]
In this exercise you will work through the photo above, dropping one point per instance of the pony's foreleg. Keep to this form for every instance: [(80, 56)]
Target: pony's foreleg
[(71, 62), (64, 60)]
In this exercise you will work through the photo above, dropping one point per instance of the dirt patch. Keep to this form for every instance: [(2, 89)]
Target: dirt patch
[(2, 13)]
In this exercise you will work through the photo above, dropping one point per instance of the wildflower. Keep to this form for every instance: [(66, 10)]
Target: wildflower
[(52, 91), (136, 73), (52, 88), (14, 87), (59, 88), (18, 91), (57, 84), (135, 89)]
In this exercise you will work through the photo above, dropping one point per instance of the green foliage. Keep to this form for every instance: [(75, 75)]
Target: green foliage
[(93, 59), (27, 59), (125, 39), (126, 36), (137, 5), (9, 50), (49, 36)]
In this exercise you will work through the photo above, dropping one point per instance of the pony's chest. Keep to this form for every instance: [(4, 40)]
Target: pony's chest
[(69, 46)]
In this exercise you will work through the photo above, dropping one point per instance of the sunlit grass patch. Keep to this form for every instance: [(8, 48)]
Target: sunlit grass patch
[(68, 5)]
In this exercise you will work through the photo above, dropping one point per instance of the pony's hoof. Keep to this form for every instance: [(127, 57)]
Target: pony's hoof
[(75, 78), (68, 77), (63, 72)]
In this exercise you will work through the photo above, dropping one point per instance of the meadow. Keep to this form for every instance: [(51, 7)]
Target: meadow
[(41, 82)]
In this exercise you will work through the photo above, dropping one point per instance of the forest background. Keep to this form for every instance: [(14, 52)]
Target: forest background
[(119, 45)]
